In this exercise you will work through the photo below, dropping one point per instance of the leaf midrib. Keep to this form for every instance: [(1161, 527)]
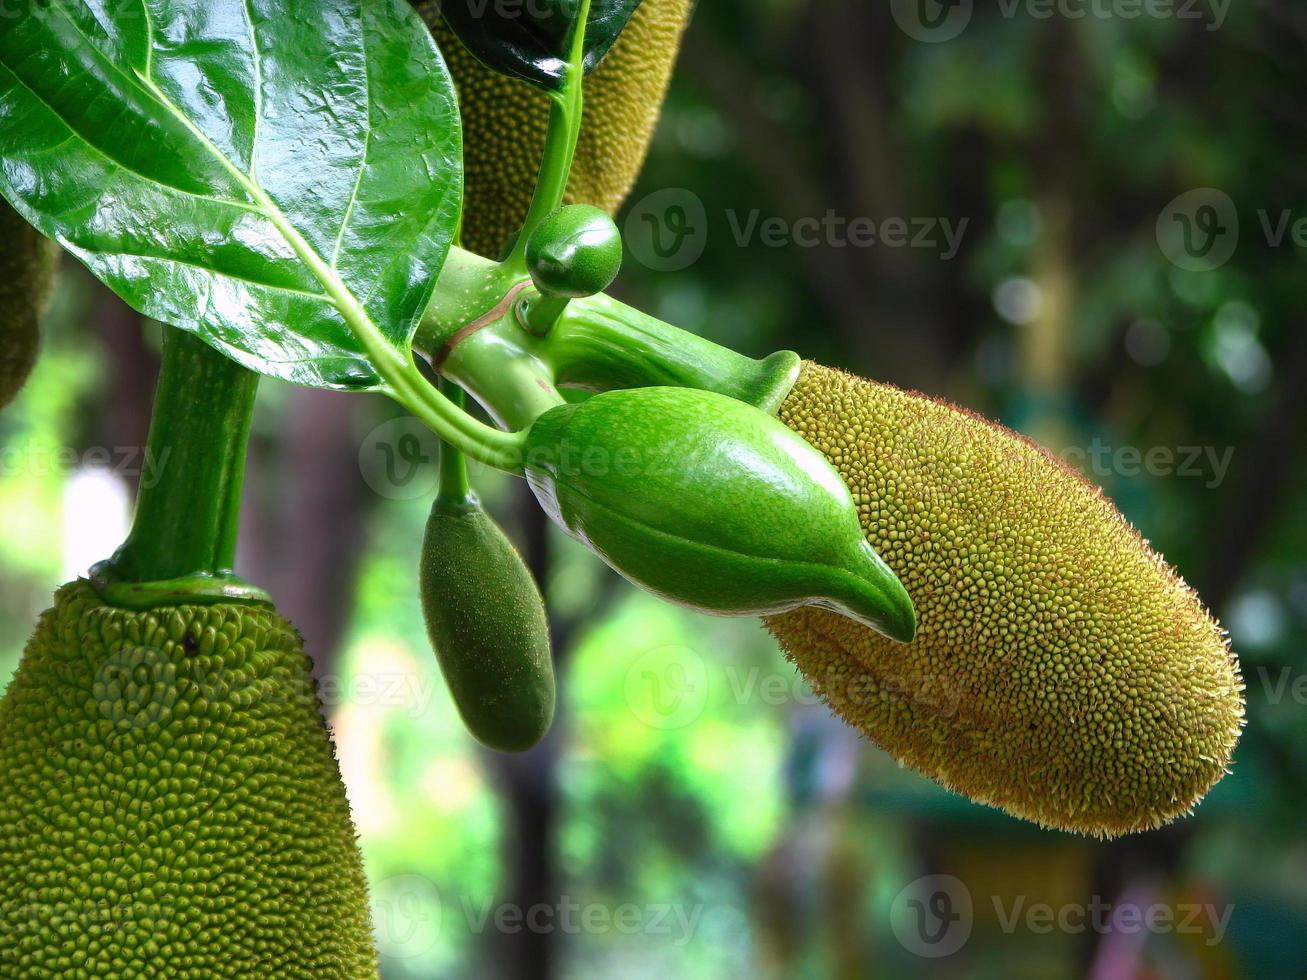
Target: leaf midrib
[(337, 293)]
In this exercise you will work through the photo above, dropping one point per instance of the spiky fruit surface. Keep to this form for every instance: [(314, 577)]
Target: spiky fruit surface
[(26, 268), (1061, 669), (170, 804), (504, 123)]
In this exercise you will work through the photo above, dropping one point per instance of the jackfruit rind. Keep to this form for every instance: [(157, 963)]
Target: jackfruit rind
[(505, 119), (27, 260), (170, 804), (1061, 671)]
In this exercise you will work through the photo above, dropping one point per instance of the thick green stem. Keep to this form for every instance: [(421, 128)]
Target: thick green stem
[(474, 335), (186, 521)]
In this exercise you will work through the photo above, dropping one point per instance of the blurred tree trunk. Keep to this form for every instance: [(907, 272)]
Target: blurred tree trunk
[(844, 48), (305, 511), (527, 786), (123, 419)]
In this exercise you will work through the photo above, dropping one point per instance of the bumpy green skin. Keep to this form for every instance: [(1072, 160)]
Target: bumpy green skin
[(170, 804), (1062, 670), (487, 623), (575, 252), (710, 503), (26, 270)]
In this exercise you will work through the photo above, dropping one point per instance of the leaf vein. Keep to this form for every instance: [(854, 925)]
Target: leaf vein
[(210, 270), (367, 149)]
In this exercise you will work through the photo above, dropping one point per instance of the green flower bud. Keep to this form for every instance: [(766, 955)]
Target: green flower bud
[(576, 251), (487, 623), (708, 502)]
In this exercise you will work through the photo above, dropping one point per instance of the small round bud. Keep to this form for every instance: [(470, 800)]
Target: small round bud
[(574, 252)]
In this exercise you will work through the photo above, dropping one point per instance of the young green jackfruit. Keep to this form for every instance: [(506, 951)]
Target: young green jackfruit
[(170, 804), (487, 623), (1061, 669), (26, 270), (504, 123)]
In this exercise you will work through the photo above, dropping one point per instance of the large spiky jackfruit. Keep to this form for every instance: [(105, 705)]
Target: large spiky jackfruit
[(170, 804), (1061, 669), (504, 123), (27, 261)]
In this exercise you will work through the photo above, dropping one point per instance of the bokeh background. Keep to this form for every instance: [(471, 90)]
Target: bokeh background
[(1086, 218)]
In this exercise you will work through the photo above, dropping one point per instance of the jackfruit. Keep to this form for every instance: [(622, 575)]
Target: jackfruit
[(1061, 670), (170, 804), (486, 621), (27, 261), (505, 119)]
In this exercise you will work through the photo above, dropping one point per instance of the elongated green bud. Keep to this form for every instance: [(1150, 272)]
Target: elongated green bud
[(486, 621), (1062, 670), (712, 504), (26, 269)]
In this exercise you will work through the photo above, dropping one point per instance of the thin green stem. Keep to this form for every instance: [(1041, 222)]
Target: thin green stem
[(187, 519), (565, 112), (455, 488)]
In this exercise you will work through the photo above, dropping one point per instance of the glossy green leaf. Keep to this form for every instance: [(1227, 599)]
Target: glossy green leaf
[(530, 40), (243, 169)]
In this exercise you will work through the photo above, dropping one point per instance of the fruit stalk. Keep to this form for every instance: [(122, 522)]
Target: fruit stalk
[(186, 520), (475, 337)]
